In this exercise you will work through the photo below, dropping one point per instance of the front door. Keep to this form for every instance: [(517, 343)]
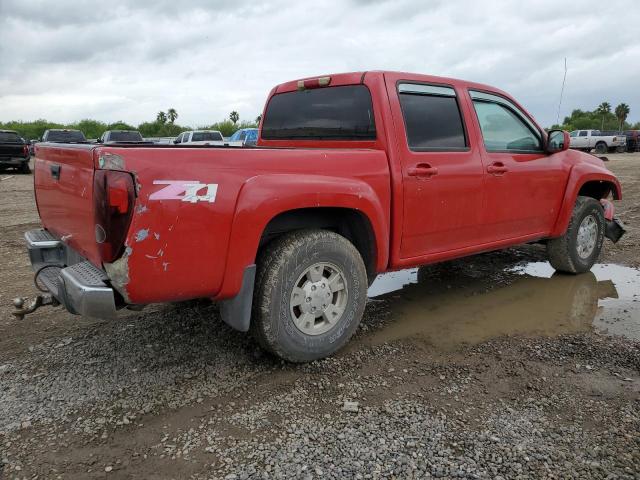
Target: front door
[(442, 175), (524, 185)]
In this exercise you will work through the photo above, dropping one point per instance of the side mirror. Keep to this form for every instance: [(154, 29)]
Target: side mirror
[(557, 141)]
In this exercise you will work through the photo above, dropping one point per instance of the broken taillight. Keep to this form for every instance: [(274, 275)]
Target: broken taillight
[(114, 196)]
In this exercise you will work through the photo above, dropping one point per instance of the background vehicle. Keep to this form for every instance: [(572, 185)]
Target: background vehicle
[(121, 136), (63, 136), (205, 137), (14, 151), (586, 140), (633, 140), (248, 136), (379, 171)]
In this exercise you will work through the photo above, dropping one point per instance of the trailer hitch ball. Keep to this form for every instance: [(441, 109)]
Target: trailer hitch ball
[(18, 302), (38, 301)]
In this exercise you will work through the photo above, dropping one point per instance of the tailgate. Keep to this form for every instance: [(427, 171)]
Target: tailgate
[(9, 150), (63, 178)]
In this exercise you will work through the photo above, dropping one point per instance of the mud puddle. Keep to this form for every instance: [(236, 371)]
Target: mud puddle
[(450, 304)]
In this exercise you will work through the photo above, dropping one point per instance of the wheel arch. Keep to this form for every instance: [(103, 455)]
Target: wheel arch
[(272, 204)]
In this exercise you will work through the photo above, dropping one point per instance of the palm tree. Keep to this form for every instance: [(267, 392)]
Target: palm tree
[(161, 118), (234, 116), (603, 109), (622, 112), (172, 115), (258, 118)]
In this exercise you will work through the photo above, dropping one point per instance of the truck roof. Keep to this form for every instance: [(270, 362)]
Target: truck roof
[(350, 78)]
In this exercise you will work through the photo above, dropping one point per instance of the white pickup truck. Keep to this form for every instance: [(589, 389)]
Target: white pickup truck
[(586, 140), (204, 137)]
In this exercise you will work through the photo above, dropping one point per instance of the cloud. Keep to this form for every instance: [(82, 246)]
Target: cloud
[(128, 60)]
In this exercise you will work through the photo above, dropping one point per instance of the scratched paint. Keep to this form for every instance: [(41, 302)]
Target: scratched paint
[(142, 234), (156, 236)]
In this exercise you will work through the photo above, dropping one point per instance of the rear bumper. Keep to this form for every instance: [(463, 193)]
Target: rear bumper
[(12, 161), (75, 282)]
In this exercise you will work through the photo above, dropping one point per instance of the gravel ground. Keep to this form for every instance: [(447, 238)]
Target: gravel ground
[(172, 392)]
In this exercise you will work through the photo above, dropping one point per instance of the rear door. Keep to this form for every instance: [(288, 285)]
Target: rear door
[(441, 173), (524, 186)]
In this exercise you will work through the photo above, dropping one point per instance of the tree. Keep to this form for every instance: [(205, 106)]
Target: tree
[(603, 109), (258, 118), (172, 115), (622, 112), (161, 118), (234, 116)]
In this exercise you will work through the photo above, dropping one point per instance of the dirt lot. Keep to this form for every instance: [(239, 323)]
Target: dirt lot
[(485, 368)]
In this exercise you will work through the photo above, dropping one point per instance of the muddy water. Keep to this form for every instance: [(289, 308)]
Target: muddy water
[(451, 304)]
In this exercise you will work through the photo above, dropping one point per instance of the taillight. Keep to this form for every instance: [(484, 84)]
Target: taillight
[(314, 83), (114, 196), (25, 150)]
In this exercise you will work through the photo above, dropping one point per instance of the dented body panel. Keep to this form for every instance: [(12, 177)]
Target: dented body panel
[(200, 212)]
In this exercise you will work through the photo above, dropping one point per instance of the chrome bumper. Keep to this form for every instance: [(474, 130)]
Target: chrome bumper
[(75, 282)]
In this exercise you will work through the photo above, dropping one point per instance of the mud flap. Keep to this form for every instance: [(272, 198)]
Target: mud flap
[(236, 312), (614, 230)]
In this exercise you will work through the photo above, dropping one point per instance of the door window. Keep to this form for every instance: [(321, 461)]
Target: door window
[(583, 133), (431, 117), (504, 128)]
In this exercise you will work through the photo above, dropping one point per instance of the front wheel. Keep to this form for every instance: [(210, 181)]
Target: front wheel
[(310, 294), (24, 167), (579, 248)]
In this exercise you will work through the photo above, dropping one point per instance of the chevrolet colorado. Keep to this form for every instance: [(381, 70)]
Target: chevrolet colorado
[(354, 174)]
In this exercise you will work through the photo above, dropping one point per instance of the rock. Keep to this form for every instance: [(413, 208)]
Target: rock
[(350, 406)]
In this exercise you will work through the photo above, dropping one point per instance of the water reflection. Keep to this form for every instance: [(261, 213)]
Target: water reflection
[(451, 303)]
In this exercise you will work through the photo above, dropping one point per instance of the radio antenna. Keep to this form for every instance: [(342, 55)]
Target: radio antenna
[(564, 79)]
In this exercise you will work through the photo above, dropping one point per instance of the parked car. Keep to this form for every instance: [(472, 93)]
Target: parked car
[(586, 140), (248, 136), (381, 171), (633, 140), (204, 137), (121, 136), (14, 151), (63, 136)]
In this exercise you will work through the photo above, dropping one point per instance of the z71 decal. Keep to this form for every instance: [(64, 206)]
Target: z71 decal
[(185, 190)]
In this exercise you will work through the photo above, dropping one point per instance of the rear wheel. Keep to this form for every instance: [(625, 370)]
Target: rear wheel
[(24, 167), (311, 289), (601, 148), (578, 249)]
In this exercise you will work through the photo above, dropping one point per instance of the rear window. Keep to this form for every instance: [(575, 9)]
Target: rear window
[(206, 137), (65, 136), (334, 113), (125, 137), (10, 137)]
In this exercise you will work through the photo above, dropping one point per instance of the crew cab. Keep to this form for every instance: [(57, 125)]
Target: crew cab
[(587, 140), (14, 151), (354, 174)]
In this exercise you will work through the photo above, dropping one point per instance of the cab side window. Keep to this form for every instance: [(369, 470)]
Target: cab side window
[(504, 128), (573, 134), (431, 117), (583, 133)]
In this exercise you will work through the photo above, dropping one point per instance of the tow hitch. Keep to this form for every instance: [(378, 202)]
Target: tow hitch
[(32, 305)]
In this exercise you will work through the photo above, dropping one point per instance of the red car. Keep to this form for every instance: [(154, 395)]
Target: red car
[(354, 174)]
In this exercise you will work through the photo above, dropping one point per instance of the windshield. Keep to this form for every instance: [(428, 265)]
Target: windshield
[(334, 113), (206, 136), (10, 137), (65, 136), (122, 136)]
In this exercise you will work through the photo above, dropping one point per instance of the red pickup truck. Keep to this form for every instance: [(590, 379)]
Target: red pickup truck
[(354, 174)]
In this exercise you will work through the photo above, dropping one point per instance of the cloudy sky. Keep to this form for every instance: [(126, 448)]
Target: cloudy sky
[(126, 60)]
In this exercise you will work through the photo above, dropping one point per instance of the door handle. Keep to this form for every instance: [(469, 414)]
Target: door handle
[(423, 170), (497, 168), (55, 171)]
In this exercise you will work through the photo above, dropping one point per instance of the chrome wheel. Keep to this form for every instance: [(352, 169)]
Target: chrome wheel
[(587, 236), (319, 298)]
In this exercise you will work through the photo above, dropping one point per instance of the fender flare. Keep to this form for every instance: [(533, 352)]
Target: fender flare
[(579, 175), (263, 197)]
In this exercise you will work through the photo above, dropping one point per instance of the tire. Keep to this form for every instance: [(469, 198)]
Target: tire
[(282, 321), (24, 168), (601, 148), (579, 248), (621, 149)]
